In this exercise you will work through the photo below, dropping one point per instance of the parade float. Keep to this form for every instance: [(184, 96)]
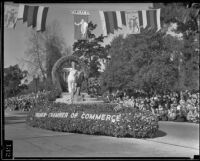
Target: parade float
[(78, 112)]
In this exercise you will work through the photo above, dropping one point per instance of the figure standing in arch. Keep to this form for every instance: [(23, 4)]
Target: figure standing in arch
[(71, 80)]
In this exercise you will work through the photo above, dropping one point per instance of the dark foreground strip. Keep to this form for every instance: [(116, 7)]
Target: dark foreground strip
[(104, 158)]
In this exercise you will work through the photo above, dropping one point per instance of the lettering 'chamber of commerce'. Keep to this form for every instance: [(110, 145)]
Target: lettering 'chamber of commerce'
[(103, 117)]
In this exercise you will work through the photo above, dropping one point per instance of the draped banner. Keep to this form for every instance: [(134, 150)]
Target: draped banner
[(135, 21), (132, 20), (81, 19), (35, 16), (10, 16)]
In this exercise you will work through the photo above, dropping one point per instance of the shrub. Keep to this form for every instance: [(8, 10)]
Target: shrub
[(126, 122), (94, 87), (53, 94), (25, 102)]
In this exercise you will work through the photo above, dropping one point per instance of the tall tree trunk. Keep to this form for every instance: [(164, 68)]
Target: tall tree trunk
[(38, 56)]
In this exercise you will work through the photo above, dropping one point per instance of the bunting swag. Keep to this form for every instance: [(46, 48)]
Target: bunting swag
[(81, 19), (112, 20), (35, 16), (142, 19), (10, 16), (135, 21), (149, 20)]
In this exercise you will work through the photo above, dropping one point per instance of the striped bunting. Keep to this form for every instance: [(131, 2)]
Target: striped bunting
[(146, 20), (35, 16), (103, 23), (112, 20), (41, 18), (119, 19), (21, 12), (149, 20)]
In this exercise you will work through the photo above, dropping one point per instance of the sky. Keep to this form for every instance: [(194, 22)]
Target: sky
[(15, 40)]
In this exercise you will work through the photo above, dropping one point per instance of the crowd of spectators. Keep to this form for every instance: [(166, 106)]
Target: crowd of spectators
[(168, 107), (25, 102)]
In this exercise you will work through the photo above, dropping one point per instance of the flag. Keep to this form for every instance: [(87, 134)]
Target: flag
[(81, 19), (35, 16), (132, 19), (41, 18), (10, 16)]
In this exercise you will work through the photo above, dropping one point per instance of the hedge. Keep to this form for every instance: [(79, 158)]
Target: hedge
[(26, 102), (94, 119)]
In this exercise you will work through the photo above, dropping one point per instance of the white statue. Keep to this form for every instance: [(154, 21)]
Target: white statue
[(71, 78), (84, 26)]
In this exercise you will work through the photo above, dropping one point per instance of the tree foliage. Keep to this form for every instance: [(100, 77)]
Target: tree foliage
[(91, 50), (13, 77), (184, 14), (55, 46), (147, 62), (44, 49), (156, 62)]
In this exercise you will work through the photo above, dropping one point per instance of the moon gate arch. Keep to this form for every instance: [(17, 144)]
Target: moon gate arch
[(66, 61)]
